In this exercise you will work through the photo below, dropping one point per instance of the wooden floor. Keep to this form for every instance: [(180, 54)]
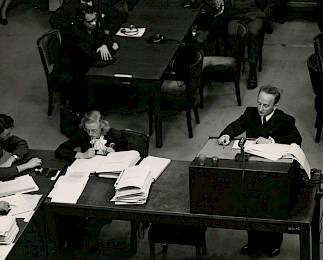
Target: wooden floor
[(24, 97)]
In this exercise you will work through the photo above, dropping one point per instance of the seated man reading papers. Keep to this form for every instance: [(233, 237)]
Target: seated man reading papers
[(266, 124), (17, 147)]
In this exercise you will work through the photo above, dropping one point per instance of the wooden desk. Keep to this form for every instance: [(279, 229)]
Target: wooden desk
[(30, 241), (169, 202), (146, 62)]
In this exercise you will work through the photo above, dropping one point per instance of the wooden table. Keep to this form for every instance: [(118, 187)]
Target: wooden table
[(169, 203), (142, 64), (30, 241)]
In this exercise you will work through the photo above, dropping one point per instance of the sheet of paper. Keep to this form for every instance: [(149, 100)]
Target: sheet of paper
[(157, 165), (21, 184)]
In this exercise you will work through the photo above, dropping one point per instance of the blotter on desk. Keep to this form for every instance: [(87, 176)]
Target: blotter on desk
[(266, 191)]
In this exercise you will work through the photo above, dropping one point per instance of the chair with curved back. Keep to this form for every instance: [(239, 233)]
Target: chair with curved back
[(225, 68), (183, 97), (48, 46)]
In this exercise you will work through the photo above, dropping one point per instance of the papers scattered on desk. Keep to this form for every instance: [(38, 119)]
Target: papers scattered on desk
[(22, 184), (275, 151), (8, 229), (157, 165), (133, 185), (22, 205), (70, 186), (128, 32)]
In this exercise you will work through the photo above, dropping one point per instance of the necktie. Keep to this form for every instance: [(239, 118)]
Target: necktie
[(264, 120)]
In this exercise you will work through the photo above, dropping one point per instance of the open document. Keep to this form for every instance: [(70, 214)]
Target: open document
[(21, 184), (156, 164), (275, 151), (108, 166), (70, 186)]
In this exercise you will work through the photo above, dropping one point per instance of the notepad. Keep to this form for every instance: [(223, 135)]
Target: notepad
[(157, 165), (21, 184)]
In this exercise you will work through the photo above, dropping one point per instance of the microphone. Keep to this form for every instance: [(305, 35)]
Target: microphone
[(241, 157)]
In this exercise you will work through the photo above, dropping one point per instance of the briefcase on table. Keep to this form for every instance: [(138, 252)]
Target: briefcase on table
[(262, 190)]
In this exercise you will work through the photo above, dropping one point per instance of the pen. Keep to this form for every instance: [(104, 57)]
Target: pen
[(223, 145)]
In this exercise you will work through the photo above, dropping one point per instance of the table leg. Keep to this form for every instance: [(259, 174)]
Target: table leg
[(316, 229), (52, 245), (305, 241), (158, 118)]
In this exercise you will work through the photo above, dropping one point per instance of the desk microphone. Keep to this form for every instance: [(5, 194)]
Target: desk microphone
[(242, 156)]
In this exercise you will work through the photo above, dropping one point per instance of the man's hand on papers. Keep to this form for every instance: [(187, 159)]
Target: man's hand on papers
[(224, 140), (262, 140)]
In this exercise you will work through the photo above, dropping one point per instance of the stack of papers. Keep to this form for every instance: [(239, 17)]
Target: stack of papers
[(22, 184), (275, 151), (8, 229), (133, 185), (109, 166), (22, 205), (157, 165), (117, 162), (70, 186)]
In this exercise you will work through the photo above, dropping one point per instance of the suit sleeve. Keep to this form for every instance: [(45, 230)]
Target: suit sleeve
[(17, 146), (238, 126), (8, 173), (289, 133), (66, 150)]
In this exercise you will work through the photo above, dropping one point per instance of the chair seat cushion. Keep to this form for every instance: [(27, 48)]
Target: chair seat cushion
[(219, 68), (174, 97), (211, 62)]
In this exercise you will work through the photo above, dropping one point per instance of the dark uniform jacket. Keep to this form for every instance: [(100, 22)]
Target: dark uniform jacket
[(281, 127), (14, 145), (82, 140), (66, 15)]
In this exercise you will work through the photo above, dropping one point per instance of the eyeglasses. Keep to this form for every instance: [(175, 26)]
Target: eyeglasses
[(6, 133), (94, 131)]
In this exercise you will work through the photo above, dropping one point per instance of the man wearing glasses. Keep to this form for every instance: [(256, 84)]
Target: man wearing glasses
[(86, 44)]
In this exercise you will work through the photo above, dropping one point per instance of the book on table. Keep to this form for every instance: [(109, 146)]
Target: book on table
[(109, 166), (8, 229), (157, 165), (21, 184), (133, 185)]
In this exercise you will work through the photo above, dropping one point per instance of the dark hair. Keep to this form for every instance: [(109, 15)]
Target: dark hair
[(85, 9), (272, 91), (5, 122)]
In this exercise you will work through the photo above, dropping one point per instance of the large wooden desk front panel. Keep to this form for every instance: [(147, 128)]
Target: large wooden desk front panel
[(169, 203)]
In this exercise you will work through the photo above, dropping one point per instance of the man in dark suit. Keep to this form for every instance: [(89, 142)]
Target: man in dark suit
[(252, 13), (266, 124), (108, 16), (85, 44)]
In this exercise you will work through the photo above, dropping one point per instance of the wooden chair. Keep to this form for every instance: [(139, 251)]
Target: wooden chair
[(224, 68), (137, 141), (177, 234), (48, 46), (317, 85), (183, 97)]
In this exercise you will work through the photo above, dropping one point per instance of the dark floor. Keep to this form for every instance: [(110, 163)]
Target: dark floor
[(24, 97)]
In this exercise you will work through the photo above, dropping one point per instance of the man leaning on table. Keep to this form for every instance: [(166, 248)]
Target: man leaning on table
[(18, 149), (266, 124)]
